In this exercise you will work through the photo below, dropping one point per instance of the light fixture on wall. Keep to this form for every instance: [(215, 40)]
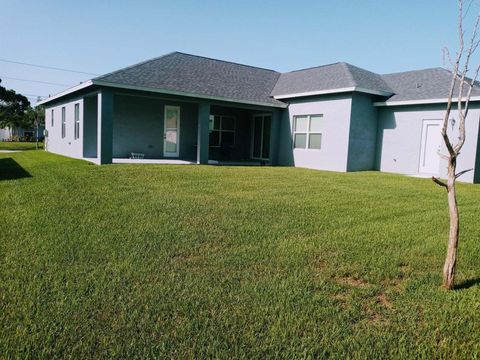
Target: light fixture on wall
[(453, 123)]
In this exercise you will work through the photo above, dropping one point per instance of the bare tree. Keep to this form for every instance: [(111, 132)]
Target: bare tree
[(460, 92)]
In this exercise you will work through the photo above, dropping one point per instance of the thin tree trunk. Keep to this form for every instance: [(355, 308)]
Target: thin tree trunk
[(449, 267)]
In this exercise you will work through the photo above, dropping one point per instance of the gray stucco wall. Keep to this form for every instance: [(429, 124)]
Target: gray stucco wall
[(400, 132), (363, 133), (138, 126), (68, 146), (336, 111)]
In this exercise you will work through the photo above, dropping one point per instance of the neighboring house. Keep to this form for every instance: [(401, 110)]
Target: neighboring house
[(334, 117), (8, 133)]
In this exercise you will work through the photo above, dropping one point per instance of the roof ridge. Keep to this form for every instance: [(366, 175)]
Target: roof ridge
[(137, 64), (361, 68), (225, 61), (417, 70), (348, 72), (313, 67)]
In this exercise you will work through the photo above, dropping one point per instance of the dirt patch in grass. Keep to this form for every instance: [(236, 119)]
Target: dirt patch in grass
[(394, 284), (373, 316), (319, 264), (383, 300), (352, 281), (341, 299)]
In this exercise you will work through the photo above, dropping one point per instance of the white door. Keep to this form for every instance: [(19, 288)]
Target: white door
[(171, 132), (431, 141)]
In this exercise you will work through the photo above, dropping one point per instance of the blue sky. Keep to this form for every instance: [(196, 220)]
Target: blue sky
[(100, 36)]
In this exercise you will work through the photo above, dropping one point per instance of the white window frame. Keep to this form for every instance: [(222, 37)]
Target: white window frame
[(166, 109), (64, 122), (307, 132), (220, 129), (76, 121)]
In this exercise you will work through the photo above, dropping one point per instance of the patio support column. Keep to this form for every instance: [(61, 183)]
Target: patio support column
[(202, 135), (105, 127), (274, 136)]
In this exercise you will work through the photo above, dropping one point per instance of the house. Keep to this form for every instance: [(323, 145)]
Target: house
[(21, 133), (193, 109)]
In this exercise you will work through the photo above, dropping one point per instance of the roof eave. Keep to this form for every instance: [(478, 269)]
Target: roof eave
[(156, 90), (184, 93), (420, 102), (334, 91), (66, 92)]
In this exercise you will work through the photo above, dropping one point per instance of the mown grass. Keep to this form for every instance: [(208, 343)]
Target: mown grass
[(19, 145), (246, 262)]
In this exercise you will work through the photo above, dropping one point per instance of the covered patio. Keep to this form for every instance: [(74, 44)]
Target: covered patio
[(123, 126)]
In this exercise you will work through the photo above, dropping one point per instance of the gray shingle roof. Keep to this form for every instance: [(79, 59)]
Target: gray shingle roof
[(421, 84), (329, 77), (200, 75)]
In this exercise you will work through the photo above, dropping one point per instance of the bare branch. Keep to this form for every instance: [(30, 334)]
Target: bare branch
[(468, 8), (444, 157), (462, 113), (455, 69), (471, 85), (439, 182), (461, 173), (446, 55), (447, 142)]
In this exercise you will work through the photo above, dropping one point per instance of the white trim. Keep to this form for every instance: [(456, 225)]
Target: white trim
[(333, 91), (165, 153), (307, 133), (152, 161), (76, 121), (66, 92), (423, 144), (63, 116), (420, 102)]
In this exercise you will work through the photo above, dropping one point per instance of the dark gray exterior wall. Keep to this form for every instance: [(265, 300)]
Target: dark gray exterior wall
[(90, 119), (138, 126), (363, 133)]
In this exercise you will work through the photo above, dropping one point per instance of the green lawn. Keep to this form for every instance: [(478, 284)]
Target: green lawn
[(245, 262), (19, 145)]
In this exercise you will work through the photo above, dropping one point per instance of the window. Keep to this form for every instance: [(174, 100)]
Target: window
[(221, 130), (307, 132), (52, 119), (63, 123), (76, 129)]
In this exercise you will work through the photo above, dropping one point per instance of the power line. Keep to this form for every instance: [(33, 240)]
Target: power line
[(33, 95), (35, 81), (36, 98), (47, 67)]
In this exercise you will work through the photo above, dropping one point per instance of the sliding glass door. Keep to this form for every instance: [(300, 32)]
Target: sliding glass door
[(261, 137)]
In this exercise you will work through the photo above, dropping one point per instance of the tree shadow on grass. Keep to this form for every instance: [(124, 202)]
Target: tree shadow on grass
[(467, 283), (10, 170)]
